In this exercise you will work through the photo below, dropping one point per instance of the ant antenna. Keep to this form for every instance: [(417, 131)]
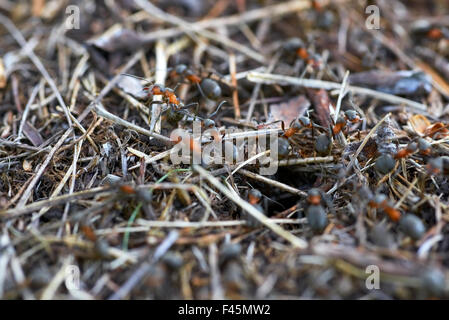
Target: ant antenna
[(218, 108)]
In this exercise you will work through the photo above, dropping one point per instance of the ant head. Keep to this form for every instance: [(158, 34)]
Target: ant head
[(305, 121), (341, 121), (352, 116), (180, 69), (412, 146), (314, 196), (293, 44), (423, 144), (210, 89), (385, 163), (254, 196), (209, 123)]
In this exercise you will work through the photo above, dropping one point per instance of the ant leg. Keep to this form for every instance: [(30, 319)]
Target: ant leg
[(177, 85), (188, 105), (160, 113), (218, 108), (195, 117), (303, 74), (270, 123), (201, 90)]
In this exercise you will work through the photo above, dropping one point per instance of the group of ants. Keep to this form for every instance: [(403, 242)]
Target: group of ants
[(316, 201)]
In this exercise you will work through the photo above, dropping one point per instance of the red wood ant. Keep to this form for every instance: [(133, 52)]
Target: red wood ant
[(438, 166), (315, 212), (297, 47), (407, 151), (143, 195), (350, 116), (207, 87), (339, 125), (169, 97), (380, 201), (254, 197), (295, 127)]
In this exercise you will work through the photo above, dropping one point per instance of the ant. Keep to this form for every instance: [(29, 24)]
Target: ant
[(380, 201), (207, 87), (350, 116), (295, 127), (410, 224), (438, 166), (411, 148), (438, 33), (168, 96), (297, 47), (254, 198), (423, 146), (315, 212), (143, 195)]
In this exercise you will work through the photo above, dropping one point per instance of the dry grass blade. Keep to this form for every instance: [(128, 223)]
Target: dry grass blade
[(295, 241)]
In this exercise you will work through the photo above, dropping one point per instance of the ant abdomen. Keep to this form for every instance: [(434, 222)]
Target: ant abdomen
[(385, 163), (323, 144), (317, 217), (412, 226), (210, 88)]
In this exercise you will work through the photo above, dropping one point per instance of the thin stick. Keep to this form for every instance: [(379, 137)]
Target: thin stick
[(161, 15), (268, 78), (235, 94), (161, 74), (272, 182), (341, 95), (102, 112), (145, 267), (295, 241), (253, 15), (26, 111), (306, 161)]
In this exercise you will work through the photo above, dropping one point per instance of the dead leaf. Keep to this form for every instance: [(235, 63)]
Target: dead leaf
[(321, 101), (32, 134), (132, 86), (117, 38), (419, 123), (290, 110)]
